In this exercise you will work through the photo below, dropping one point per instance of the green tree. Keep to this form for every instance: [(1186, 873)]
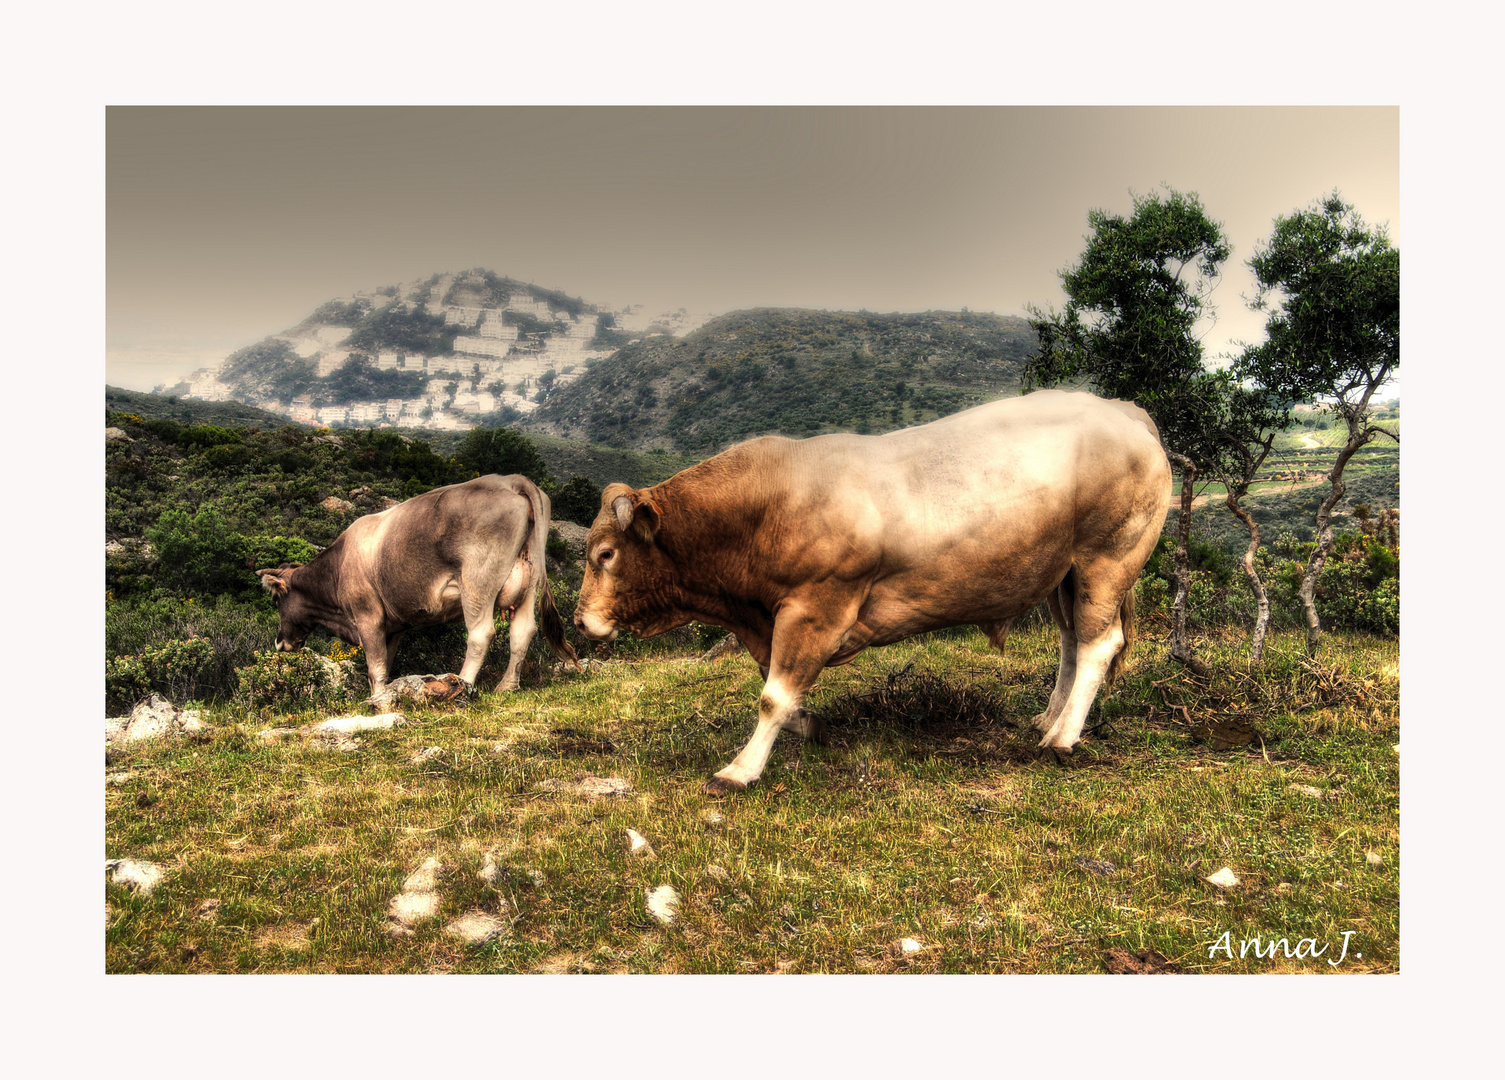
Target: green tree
[(1133, 301), (503, 451), (1332, 286)]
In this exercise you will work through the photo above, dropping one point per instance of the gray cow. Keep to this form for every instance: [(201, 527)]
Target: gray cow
[(451, 553)]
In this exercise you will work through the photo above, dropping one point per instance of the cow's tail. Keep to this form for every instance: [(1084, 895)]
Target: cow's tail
[(1121, 659), (553, 625)]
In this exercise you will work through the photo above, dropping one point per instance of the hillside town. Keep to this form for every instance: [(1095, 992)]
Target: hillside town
[(507, 356)]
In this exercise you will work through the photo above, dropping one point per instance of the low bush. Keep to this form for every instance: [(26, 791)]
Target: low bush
[(295, 682), (172, 669)]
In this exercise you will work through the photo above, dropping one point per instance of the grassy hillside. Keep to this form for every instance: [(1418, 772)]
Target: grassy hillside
[(924, 819), (791, 372)]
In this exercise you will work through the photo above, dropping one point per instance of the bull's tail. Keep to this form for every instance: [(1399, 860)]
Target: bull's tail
[(553, 625), (1121, 658)]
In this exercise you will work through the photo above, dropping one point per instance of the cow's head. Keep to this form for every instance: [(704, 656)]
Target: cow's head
[(626, 572), (295, 617)]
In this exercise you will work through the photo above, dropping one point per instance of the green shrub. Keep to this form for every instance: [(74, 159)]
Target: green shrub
[(172, 669), (234, 631), (299, 681)]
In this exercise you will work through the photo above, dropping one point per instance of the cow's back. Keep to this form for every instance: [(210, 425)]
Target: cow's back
[(970, 518), (410, 556)]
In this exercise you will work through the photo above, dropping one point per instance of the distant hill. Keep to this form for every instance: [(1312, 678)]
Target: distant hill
[(185, 410), (788, 371)]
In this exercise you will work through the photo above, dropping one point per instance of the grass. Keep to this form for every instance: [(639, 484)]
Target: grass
[(925, 817)]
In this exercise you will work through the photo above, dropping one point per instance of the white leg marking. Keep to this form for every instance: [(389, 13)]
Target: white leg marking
[(1092, 660), (777, 708)]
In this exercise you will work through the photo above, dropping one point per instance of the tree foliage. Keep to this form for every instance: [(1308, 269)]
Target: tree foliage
[(1128, 327), (1332, 286), (502, 451)]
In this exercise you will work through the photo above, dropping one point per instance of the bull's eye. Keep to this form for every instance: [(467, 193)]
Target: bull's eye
[(605, 556)]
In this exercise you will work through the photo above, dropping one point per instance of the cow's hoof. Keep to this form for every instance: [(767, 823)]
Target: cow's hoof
[(813, 727), (719, 786), (1057, 754)]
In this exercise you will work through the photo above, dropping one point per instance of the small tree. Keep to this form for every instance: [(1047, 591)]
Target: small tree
[(1133, 302), (502, 451), (1332, 286), (1248, 432)]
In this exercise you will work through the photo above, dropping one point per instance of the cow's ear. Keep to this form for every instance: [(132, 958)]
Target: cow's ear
[(273, 582), (637, 515)]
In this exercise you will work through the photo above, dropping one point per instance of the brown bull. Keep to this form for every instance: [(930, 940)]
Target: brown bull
[(451, 553), (812, 550)]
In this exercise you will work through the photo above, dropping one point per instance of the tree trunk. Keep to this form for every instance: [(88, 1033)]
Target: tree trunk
[(1180, 646), (1262, 620), (1357, 437)]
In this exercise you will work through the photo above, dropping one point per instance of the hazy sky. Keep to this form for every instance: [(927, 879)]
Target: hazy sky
[(225, 225)]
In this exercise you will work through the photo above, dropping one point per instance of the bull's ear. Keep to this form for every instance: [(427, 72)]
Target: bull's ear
[(273, 582), (637, 515)]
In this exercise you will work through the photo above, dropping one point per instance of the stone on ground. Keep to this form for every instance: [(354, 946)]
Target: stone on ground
[(418, 900), (909, 946), (346, 725), (424, 756), (1223, 879), (152, 719), (663, 903), (639, 846), (136, 874), (476, 927)]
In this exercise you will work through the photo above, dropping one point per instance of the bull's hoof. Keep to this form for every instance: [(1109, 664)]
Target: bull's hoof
[(1057, 754), (505, 687), (1040, 723), (719, 786), (812, 727)]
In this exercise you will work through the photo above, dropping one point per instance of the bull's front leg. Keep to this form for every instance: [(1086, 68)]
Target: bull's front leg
[(803, 640)]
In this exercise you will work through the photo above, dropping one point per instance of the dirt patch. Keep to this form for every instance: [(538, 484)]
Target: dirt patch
[(290, 936), (1149, 962)]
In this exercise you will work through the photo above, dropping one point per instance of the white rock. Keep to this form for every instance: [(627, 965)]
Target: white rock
[(490, 872), (1306, 789), (476, 927), (190, 724), (149, 720), (425, 878), (663, 903), (119, 778), (713, 817), (413, 907), (717, 872), (909, 946), (639, 846), (113, 434), (135, 874), (1373, 858), (345, 725), (277, 734), (1223, 879), (426, 755)]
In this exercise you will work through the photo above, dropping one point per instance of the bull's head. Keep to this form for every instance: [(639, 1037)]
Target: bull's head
[(295, 621), (625, 570)]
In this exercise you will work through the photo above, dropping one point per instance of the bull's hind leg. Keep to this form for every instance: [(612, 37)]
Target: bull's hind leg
[(1097, 626), (1060, 603)]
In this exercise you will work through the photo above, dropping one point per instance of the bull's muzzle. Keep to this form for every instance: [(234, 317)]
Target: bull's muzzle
[(594, 627)]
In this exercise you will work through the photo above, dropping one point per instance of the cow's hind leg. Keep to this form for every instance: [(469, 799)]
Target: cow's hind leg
[(1060, 603), (1097, 624), (519, 635)]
